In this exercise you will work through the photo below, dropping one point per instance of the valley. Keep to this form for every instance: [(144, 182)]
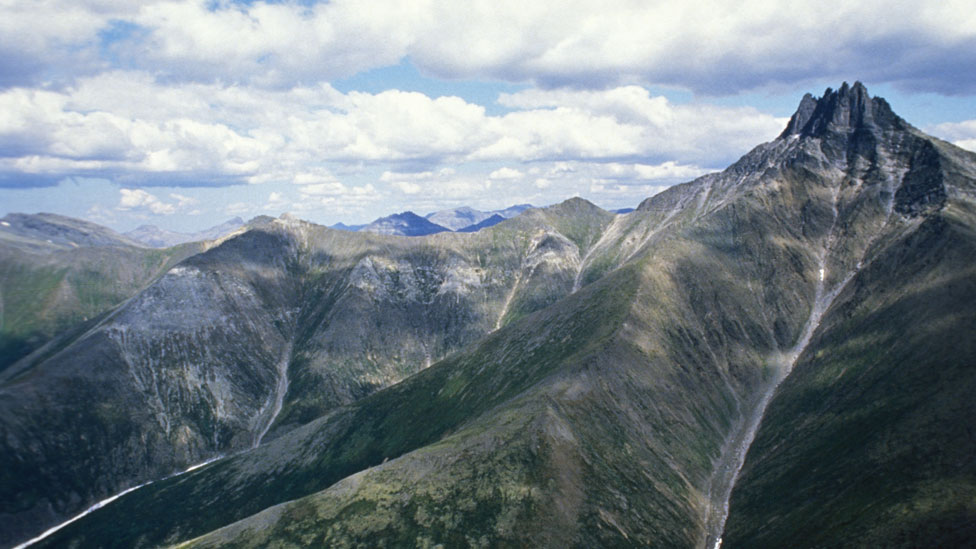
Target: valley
[(777, 354)]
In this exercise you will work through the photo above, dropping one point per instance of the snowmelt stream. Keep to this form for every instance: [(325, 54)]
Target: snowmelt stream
[(281, 388), (108, 500), (736, 446)]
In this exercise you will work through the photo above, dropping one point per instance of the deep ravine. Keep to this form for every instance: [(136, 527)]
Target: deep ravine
[(108, 500), (613, 230), (277, 399), (734, 451)]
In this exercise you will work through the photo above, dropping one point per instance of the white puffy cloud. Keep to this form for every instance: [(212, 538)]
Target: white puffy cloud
[(962, 134), (141, 202), (609, 184), (193, 134), (709, 46), (626, 121), (272, 43), (335, 196), (46, 36), (276, 201), (505, 173), (407, 187), (138, 199)]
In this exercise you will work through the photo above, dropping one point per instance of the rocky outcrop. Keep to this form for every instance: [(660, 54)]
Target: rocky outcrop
[(268, 330), (739, 346)]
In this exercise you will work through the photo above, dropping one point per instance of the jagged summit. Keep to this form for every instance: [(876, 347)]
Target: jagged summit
[(846, 110), (776, 352)]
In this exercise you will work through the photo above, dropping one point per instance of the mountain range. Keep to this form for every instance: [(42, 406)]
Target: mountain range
[(59, 274), (463, 219), (776, 355), (153, 236)]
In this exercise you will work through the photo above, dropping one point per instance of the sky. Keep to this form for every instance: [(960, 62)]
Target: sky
[(183, 114)]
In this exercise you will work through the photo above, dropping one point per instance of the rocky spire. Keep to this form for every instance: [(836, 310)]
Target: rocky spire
[(848, 110)]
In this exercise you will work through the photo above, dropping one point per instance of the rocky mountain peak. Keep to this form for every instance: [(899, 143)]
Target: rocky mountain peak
[(847, 110)]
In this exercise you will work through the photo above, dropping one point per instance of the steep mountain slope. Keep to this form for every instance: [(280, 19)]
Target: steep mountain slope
[(598, 380), (619, 415), (151, 235), (58, 273), (495, 219), (869, 442), (266, 331), (59, 230)]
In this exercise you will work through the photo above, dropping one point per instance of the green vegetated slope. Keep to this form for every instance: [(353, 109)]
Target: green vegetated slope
[(378, 308), (57, 274), (287, 313), (870, 442), (589, 370), (605, 409)]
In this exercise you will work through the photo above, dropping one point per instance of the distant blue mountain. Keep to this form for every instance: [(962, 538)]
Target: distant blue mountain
[(463, 219), (493, 220), (343, 227), (513, 211), (404, 224), (458, 219)]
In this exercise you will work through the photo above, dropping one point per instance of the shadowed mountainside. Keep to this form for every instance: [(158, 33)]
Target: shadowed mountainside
[(597, 380), (268, 330), (59, 274)]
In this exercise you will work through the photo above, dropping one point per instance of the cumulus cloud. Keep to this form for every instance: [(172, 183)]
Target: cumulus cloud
[(505, 173), (276, 201), (199, 134), (611, 184), (42, 38), (335, 196), (138, 199), (962, 134), (407, 187), (711, 46), (626, 121)]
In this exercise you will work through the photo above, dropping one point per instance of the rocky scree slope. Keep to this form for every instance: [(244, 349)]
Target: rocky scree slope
[(613, 416), (59, 274), (264, 332), (868, 442)]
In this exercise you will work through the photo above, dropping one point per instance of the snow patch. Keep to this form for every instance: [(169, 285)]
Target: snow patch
[(108, 500)]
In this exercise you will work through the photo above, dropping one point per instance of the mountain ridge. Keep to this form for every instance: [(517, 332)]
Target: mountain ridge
[(404, 224), (151, 235), (250, 296), (623, 370)]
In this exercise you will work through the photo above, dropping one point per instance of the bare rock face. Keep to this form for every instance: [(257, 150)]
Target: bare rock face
[(266, 331), (59, 274), (736, 358)]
